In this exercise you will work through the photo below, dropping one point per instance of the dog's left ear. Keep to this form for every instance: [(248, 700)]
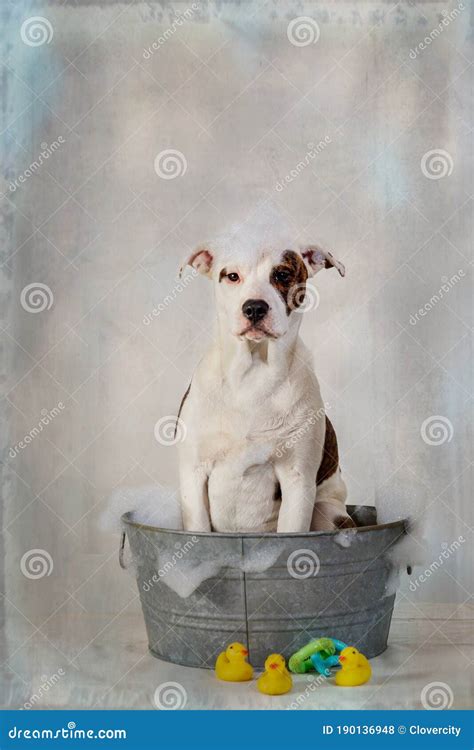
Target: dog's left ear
[(316, 259), (201, 260)]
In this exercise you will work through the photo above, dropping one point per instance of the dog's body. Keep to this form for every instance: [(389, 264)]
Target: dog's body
[(260, 454)]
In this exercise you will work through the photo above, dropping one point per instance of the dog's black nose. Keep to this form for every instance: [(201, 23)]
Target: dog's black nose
[(255, 309)]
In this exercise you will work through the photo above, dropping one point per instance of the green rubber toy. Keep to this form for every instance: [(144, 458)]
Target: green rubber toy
[(301, 662)]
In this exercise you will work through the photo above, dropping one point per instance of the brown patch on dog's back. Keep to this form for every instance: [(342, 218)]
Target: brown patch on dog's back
[(330, 459), (293, 287)]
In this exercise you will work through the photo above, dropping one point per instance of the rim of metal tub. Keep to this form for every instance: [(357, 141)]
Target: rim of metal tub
[(402, 523)]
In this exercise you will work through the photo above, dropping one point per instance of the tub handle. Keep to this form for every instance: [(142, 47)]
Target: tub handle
[(122, 551)]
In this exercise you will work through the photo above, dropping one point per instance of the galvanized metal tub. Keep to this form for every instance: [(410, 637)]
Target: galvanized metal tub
[(334, 583)]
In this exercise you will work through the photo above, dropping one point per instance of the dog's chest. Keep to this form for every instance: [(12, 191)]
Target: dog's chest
[(238, 429)]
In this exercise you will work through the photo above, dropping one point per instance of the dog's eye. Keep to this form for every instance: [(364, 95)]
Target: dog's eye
[(282, 276), (233, 277)]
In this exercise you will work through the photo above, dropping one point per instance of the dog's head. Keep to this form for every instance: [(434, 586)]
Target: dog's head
[(258, 293)]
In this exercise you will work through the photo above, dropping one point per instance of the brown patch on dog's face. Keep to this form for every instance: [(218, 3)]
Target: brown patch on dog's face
[(289, 279)]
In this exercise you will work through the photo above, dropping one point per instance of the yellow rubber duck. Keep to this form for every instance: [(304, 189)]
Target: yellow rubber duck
[(232, 664), (276, 680), (355, 668)]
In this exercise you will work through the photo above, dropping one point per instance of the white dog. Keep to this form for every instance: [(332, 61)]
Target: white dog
[(259, 455)]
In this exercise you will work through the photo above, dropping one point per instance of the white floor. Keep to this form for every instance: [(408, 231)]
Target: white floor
[(116, 671)]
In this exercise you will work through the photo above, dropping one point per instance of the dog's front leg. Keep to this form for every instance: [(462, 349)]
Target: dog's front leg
[(298, 492), (194, 497)]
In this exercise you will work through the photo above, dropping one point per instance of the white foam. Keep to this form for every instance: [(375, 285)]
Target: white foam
[(406, 553), (152, 505), (184, 576), (155, 505), (345, 538), (260, 558), (399, 498), (184, 568), (393, 581)]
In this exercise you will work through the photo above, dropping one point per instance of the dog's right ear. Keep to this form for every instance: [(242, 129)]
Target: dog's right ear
[(201, 260), (316, 259)]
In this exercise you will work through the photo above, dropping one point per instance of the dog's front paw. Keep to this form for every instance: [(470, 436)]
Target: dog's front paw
[(328, 517)]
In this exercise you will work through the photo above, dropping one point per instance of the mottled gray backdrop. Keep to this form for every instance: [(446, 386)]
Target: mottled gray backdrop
[(102, 220)]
